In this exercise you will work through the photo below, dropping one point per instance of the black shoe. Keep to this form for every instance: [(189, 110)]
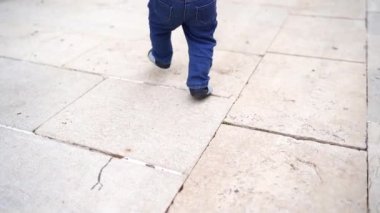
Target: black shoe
[(202, 93), (157, 63)]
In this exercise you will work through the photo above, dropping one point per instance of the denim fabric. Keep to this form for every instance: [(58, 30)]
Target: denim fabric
[(198, 21)]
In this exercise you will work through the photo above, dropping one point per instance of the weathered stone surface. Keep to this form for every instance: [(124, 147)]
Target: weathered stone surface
[(354, 9), (374, 111), (249, 171), (57, 32), (30, 94), (322, 37), (374, 166), (33, 42), (128, 59), (40, 175), (158, 125), (374, 67), (322, 99), (46, 47), (17, 41), (114, 18), (247, 27), (374, 5), (60, 49), (118, 58), (287, 4)]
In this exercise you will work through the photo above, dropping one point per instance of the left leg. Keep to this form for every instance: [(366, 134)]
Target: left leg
[(160, 24)]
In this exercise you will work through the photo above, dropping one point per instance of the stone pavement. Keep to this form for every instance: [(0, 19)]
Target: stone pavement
[(87, 124)]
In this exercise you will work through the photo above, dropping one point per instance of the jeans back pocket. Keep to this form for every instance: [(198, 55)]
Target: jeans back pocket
[(162, 10), (207, 14)]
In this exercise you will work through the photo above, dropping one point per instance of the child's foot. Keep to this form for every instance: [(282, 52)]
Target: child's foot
[(202, 93), (157, 63)]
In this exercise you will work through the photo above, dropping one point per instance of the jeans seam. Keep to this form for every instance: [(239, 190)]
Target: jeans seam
[(170, 9), (201, 7)]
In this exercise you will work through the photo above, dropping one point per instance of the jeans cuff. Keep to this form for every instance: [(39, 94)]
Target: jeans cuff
[(166, 60), (198, 86)]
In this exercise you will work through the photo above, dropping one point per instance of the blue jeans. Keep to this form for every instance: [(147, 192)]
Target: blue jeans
[(198, 21)]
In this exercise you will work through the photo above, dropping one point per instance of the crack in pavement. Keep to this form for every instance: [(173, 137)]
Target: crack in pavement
[(99, 183), (312, 165)]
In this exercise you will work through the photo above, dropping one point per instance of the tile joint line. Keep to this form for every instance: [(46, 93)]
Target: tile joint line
[(68, 69), (87, 148), (69, 104), (326, 17), (152, 166), (316, 57), (296, 137), (105, 77), (216, 131)]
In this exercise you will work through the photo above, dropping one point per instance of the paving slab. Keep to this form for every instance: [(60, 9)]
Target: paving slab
[(157, 125), (66, 48), (352, 9), (128, 59), (374, 166), (249, 171), (30, 94), (322, 37), (247, 27), (374, 67), (32, 41), (40, 175), (286, 4), (300, 96), (53, 48), (55, 32), (103, 18), (373, 5), (17, 41)]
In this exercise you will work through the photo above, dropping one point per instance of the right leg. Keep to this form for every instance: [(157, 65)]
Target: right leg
[(199, 31), (201, 48)]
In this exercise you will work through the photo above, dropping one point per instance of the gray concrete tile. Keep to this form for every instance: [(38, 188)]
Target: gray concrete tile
[(60, 49), (353, 9), (128, 59), (374, 67), (374, 166), (28, 39), (40, 175), (53, 48), (30, 93), (250, 171), (247, 27), (373, 5), (161, 126), (17, 41), (307, 97), (322, 37), (122, 58), (287, 4), (100, 18)]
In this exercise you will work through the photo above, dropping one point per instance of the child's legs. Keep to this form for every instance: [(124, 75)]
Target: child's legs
[(200, 38)]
